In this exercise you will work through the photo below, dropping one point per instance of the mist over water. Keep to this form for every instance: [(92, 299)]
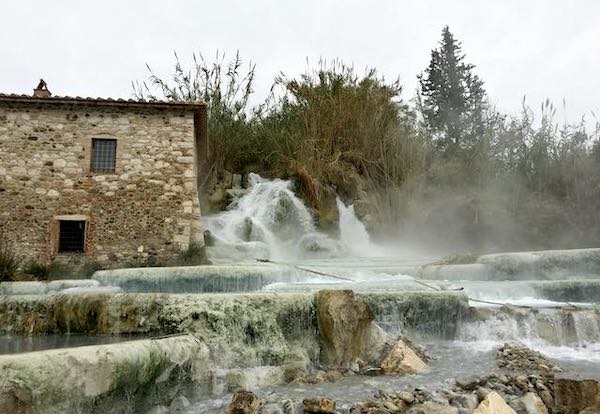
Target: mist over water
[(270, 221)]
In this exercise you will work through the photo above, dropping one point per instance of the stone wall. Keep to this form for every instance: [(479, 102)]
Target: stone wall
[(147, 208)]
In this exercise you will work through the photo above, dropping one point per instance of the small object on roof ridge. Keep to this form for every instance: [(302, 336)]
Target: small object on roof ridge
[(42, 90)]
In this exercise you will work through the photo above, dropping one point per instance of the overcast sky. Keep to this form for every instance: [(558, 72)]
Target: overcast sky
[(537, 48)]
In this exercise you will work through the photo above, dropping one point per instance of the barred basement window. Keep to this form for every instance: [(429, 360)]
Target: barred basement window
[(71, 236), (104, 154)]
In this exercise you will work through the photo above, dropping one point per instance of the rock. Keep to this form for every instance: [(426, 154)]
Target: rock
[(332, 376), (406, 396), (522, 382), (390, 406), (343, 321), (493, 404), (209, 238), (514, 356), (179, 404), (318, 405), (243, 402), (547, 398), (468, 402), (318, 378), (374, 344), (373, 372), (402, 360), (482, 392), (430, 407), (573, 395), (294, 370), (533, 404), (468, 383)]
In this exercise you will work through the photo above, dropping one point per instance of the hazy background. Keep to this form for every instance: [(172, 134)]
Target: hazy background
[(537, 48)]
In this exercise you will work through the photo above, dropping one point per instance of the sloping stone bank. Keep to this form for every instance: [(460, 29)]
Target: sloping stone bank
[(232, 340), (96, 378)]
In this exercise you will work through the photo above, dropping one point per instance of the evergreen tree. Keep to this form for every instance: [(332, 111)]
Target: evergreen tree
[(452, 99)]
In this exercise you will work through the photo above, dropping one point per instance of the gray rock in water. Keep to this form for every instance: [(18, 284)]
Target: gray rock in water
[(407, 397), (468, 383), (533, 404), (482, 392), (467, 402)]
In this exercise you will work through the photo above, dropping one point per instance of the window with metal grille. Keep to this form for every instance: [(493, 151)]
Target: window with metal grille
[(104, 154), (71, 236)]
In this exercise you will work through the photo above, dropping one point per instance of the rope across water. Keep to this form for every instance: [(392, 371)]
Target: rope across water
[(316, 272)]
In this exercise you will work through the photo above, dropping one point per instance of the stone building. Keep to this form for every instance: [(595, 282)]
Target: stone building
[(103, 180)]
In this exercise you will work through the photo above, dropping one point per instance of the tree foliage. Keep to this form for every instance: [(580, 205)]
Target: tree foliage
[(452, 99)]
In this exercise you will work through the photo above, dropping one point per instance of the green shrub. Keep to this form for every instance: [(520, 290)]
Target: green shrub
[(38, 270), (9, 262)]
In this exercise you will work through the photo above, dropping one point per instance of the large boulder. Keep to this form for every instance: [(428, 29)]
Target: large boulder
[(374, 344), (402, 360), (493, 404), (573, 396), (343, 323), (243, 402)]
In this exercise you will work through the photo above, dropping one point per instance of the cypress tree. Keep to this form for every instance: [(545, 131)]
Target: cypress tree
[(452, 99)]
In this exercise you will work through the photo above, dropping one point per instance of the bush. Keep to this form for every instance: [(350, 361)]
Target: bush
[(9, 262), (194, 255)]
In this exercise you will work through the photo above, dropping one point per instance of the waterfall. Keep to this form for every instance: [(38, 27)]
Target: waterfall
[(271, 222), (353, 232), (559, 333)]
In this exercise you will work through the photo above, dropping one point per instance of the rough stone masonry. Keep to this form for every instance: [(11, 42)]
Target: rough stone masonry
[(99, 179)]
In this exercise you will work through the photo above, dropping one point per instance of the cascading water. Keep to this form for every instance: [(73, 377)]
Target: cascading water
[(271, 222), (353, 232)]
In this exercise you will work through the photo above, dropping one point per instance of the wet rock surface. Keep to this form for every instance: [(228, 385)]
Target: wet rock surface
[(493, 404), (318, 405), (577, 395), (243, 402), (401, 359), (515, 357), (343, 321)]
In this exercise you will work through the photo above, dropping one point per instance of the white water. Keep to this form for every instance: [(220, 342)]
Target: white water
[(353, 232), (283, 228), (271, 222)]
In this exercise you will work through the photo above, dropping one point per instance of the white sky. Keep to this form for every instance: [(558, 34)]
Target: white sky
[(537, 48)]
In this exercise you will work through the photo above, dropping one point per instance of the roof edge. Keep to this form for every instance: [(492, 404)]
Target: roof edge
[(102, 102)]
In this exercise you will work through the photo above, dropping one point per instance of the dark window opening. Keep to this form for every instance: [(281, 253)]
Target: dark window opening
[(71, 236), (104, 154)]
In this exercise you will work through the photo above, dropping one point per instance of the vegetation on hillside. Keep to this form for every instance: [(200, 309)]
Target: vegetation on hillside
[(445, 169)]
